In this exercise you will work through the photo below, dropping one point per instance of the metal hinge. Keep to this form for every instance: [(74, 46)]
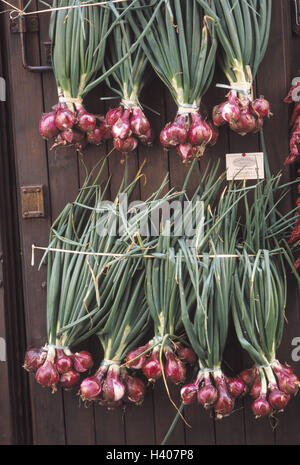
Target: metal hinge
[(24, 24), (32, 201)]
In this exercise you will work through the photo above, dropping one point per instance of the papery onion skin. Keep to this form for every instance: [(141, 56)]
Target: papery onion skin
[(69, 378), (34, 358), (83, 361), (261, 407), (47, 126)]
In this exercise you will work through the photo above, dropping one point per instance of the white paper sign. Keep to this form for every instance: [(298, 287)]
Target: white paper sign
[(242, 166)]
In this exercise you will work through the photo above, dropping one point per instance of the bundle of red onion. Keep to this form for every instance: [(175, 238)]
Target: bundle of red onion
[(205, 306), (76, 62), (243, 31), (54, 365), (258, 311), (127, 122), (128, 321), (163, 356), (293, 97), (184, 59), (75, 310)]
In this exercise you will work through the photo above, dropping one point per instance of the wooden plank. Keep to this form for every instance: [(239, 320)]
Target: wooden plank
[(6, 431), (32, 169)]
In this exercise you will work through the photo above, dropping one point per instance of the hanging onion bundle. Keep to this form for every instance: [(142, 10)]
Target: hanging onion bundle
[(127, 122), (206, 322), (78, 37), (181, 47), (164, 306), (293, 97), (258, 310), (168, 353), (127, 323), (243, 28), (260, 292)]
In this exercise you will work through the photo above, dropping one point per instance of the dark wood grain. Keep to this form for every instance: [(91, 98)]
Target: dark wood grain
[(59, 419)]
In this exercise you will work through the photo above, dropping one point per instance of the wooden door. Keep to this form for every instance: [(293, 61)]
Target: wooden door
[(59, 419)]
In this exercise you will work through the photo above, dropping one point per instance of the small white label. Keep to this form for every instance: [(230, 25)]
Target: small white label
[(242, 166)]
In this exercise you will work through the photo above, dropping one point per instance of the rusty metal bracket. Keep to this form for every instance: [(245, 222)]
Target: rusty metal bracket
[(22, 25), (32, 202)]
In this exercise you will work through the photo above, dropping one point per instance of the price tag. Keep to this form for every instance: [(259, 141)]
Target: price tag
[(243, 166)]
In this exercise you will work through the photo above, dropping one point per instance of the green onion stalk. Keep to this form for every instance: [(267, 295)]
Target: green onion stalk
[(78, 43), (84, 256), (78, 287), (167, 354), (259, 311), (181, 48), (128, 123), (205, 307), (113, 384), (243, 29), (260, 292)]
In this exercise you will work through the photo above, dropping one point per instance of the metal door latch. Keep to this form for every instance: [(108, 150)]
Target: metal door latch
[(22, 25)]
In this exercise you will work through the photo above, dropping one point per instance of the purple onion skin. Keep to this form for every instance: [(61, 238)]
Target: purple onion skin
[(47, 375), (256, 388), (69, 379), (207, 395), (83, 361), (261, 407), (188, 394), (125, 145), (278, 399), (63, 362), (236, 387), (86, 121), (90, 389), (121, 128), (151, 368), (113, 115), (135, 390), (248, 376), (164, 140), (200, 131), (261, 106), (139, 124), (34, 358), (217, 117), (174, 368), (148, 138), (65, 119), (47, 127), (95, 137), (139, 362), (225, 403), (72, 136), (186, 354), (185, 151), (113, 390)]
